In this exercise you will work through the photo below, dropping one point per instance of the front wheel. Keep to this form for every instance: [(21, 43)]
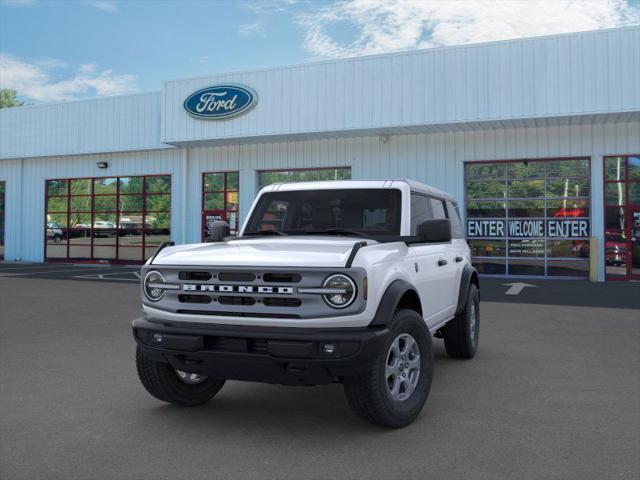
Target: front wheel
[(395, 386), (175, 386), (461, 334)]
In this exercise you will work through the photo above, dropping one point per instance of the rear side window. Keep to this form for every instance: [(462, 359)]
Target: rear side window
[(419, 211), (454, 218), (437, 208)]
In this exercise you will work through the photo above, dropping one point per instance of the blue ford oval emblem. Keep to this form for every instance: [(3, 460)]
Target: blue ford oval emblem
[(220, 101)]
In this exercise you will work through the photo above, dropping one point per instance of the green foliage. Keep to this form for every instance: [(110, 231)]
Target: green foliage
[(8, 98)]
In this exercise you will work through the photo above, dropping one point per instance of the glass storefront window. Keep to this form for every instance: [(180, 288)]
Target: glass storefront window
[(568, 168), (633, 168), (525, 188), (622, 217), (526, 208), (486, 171), (525, 169), (522, 214), (614, 193), (487, 248), (568, 188), (615, 168), (220, 197), (107, 219), (486, 189)]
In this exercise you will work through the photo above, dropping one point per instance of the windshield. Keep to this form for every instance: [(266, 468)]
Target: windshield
[(359, 212)]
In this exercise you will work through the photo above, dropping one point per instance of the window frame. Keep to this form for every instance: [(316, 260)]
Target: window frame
[(91, 213), (224, 192), (627, 206), (545, 198)]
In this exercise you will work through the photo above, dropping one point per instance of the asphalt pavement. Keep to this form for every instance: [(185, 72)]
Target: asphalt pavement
[(553, 393)]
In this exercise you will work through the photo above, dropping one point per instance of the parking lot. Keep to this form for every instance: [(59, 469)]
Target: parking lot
[(553, 393)]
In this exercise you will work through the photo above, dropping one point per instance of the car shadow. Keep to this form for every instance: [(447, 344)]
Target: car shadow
[(268, 409)]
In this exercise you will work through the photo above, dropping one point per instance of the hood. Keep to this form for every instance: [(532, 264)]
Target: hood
[(312, 251)]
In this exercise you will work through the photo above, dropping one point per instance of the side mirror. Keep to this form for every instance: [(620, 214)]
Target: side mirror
[(434, 231), (218, 230)]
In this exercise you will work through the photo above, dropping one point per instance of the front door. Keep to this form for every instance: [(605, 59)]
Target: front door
[(633, 269)]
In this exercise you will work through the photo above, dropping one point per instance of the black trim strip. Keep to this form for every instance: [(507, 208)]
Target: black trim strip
[(354, 251), (162, 245)]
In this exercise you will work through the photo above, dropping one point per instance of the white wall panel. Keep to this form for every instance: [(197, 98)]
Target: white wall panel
[(112, 124), (434, 158), (25, 201), (546, 77), (437, 158)]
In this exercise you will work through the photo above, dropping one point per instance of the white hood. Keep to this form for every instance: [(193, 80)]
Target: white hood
[(312, 251)]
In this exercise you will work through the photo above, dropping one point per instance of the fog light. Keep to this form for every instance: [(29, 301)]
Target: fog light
[(329, 348), (157, 338)]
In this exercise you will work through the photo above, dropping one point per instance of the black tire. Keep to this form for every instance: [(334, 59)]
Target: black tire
[(161, 380), (461, 334), (368, 394)]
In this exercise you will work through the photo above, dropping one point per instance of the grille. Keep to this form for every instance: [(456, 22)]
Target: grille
[(195, 276), (194, 299), (265, 292), (236, 277)]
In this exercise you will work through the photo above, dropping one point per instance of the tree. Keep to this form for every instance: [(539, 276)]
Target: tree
[(8, 98)]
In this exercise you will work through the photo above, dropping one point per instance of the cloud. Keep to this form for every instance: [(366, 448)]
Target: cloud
[(35, 81), (269, 6), (252, 29), (104, 5), (388, 25)]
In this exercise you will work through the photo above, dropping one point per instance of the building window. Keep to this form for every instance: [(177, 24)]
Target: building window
[(622, 217), (267, 177), (2, 211), (118, 219), (220, 196), (529, 217)]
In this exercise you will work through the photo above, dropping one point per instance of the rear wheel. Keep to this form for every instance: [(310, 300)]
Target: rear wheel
[(396, 384), (462, 333), (175, 386)]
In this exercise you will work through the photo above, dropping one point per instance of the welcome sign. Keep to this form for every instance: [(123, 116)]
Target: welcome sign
[(219, 102), (528, 228)]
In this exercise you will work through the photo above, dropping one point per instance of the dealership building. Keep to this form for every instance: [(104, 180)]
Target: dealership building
[(538, 139)]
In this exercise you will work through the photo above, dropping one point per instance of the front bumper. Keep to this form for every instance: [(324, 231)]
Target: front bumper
[(289, 356)]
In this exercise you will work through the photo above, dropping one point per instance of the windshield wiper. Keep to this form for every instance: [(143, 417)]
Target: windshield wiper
[(264, 232), (335, 231)]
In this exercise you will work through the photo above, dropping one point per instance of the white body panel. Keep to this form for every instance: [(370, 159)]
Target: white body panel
[(437, 285)]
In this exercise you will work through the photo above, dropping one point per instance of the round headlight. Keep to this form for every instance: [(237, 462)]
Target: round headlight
[(345, 291), (150, 286)]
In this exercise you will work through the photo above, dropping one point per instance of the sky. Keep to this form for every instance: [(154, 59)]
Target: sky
[(60, 50)]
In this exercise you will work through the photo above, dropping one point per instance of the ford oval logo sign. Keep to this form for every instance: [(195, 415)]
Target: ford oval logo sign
[(220, 101)]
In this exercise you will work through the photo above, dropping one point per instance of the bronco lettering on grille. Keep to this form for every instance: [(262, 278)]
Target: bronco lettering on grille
[(193, 287)]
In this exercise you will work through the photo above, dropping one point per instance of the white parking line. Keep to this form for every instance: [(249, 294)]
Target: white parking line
[(102, 276), (13, 274)]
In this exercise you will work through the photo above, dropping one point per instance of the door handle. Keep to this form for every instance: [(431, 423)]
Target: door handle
[(459, 259), (442, 262)]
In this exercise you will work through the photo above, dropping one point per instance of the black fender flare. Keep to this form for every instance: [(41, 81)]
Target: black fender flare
[(469, 276), (389, 302)]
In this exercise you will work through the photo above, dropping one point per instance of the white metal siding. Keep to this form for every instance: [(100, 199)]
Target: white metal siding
[(547, 77), (434, 158), (25, 201), (91, 126)]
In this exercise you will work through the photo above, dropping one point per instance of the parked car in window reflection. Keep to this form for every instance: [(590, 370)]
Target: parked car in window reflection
[(54, 232)]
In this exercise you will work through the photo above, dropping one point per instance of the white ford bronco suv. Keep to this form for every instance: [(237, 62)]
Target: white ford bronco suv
[(342, 281)]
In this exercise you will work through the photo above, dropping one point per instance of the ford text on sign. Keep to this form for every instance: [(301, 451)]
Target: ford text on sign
[(220, 101), (534, 228)]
